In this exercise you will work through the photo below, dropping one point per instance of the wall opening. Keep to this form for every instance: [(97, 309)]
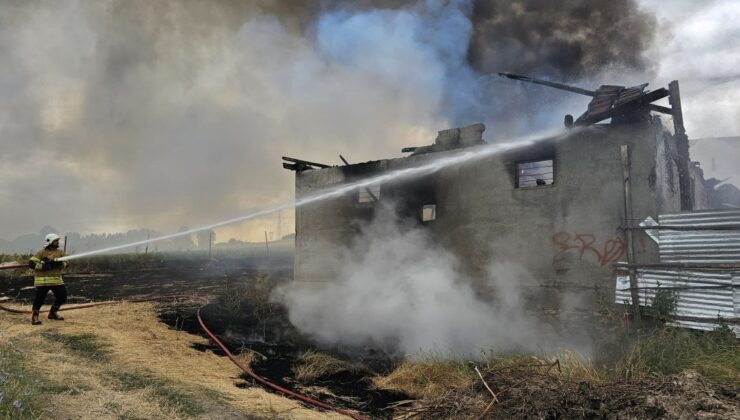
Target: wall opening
[(428, 212), (535, 173), (369, 195)]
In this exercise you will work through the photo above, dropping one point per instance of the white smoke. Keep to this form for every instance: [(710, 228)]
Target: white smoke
[(398, 290), (163, 114)]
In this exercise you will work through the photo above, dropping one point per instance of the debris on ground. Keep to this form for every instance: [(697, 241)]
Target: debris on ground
[(540, 389)]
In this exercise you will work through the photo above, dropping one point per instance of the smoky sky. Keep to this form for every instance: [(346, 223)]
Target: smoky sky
[(126, 114), (563, 40)]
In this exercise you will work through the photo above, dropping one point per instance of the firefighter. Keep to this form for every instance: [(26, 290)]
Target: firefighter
[(48, 276)]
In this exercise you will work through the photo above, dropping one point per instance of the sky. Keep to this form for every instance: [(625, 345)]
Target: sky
[(122, 115)]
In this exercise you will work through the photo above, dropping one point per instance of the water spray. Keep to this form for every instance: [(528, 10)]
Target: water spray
[(471, 154)]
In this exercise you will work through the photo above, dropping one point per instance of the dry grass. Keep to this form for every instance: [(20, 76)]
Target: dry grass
[(527, 386), (566, 365), (427, 379), (140, 349), (313, 365), (248, 357)]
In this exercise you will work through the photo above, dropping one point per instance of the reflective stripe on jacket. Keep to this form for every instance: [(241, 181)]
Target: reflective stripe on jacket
[(51, 277)]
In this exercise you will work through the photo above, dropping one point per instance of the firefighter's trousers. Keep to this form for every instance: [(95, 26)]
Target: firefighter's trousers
[(60, 296)]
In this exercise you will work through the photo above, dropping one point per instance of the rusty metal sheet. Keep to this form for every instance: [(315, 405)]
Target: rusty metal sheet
[(607, 97), (630, 94)]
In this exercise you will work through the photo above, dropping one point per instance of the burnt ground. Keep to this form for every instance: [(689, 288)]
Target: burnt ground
[(350, 388), (155, 276), (524, 394), (275, 339), (534, 393)]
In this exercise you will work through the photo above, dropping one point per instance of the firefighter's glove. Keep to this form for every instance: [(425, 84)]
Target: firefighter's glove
[(31, 264), (46, 264), (57, 264)]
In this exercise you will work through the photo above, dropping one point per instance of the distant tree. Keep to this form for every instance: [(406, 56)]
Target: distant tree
[(183, 243)]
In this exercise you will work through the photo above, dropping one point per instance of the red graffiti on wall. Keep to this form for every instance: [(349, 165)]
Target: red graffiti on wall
[(607, 252)]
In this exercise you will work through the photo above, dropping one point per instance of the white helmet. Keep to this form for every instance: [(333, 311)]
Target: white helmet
[(51, 238)]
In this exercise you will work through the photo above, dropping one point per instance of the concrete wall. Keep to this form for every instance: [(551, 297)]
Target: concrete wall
[(566, 235)]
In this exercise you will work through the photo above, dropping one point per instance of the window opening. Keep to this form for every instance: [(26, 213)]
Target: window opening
[(428, 212), (535, 173), (369, 194)]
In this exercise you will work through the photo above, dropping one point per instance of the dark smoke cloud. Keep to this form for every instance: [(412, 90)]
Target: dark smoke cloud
[(565, 40)]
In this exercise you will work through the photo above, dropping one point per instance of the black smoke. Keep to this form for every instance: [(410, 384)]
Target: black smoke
[(566, 40)]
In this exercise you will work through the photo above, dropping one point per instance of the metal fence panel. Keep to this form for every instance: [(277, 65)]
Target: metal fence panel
[(701, 297)]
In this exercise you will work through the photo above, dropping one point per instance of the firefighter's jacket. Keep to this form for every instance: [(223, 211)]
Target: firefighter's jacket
[(51, 277)]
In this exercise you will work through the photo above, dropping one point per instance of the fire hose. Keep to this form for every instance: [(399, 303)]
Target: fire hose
[(264, 382)]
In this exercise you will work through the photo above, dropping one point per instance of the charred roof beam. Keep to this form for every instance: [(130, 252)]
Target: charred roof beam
[(298, 165), (608, 101)]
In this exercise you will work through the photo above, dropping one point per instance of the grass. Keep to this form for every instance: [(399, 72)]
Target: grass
[(21, 392), (313, 365), (170, 397), (428, 378), (128, 381), (14, 257), (164, 393), (167, 377), (87, 346), (666, 351), (247, 357), (714, 354)]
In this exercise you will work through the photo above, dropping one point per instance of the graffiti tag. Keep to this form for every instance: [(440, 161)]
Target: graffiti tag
[(585, 244)]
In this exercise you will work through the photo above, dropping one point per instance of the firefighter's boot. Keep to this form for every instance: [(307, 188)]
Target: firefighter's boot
[(53, 314), (35, 318)]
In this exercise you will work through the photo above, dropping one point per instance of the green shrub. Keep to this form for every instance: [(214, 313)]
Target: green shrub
[(663, 305)]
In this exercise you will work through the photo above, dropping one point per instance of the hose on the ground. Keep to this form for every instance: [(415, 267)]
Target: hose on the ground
[(256, 377), (267, 383), (13, 266)]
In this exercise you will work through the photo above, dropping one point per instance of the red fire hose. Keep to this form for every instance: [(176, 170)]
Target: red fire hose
[(267, 383), (218, 342), (13, 266)]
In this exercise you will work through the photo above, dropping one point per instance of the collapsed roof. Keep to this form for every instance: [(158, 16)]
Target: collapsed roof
[(609, 101)]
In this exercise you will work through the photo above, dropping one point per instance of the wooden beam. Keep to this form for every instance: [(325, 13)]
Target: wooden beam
[(634, 292)]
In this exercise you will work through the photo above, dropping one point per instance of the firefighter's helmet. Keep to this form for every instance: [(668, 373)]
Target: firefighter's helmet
[(51, 238)]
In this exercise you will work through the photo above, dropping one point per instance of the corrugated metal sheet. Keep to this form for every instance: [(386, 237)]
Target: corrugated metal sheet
[(607, 97), (630, 94), (701, 296), (736, 289), (699, 246), (705, 295)]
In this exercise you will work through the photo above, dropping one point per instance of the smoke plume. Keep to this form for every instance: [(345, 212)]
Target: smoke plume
[(564, 40), (397, 290), (126, 114)]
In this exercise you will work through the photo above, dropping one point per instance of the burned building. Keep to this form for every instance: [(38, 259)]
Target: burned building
[(567, 208)]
